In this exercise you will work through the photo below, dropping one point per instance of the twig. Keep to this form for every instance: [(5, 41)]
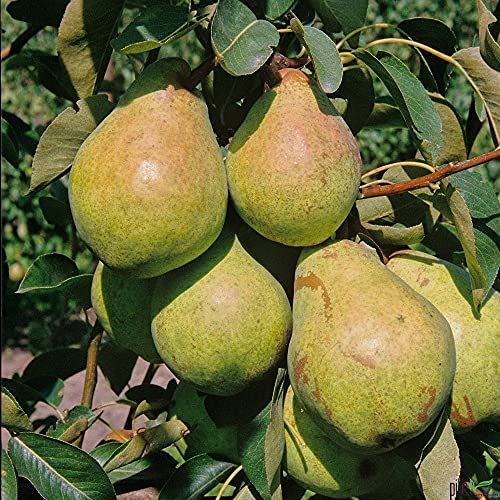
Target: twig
[(15, 47), (90, 382), (427, 180), (359, 30), (201, 72), (228, 481), (398, 164)]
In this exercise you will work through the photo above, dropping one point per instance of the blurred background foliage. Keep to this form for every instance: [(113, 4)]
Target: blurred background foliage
[(43, 322)]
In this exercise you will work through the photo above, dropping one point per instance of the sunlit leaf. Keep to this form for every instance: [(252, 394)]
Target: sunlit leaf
[(489, 47), (83, 42), (323, 53), (411, 98), (241, 42), (13, 416), (62, 139)]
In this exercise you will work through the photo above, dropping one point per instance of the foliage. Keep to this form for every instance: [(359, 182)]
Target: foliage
[(400, 100)]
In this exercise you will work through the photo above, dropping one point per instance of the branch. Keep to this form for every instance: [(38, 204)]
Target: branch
[(201, 72), (427, 180), (15, 47), (91, 371)]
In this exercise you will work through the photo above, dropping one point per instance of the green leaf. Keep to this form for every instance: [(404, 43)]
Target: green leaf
[(38, 12), (10, 144), (350, 15), (13, 416), (9, 478), (55, 272), (116, 365), (476, 214), (163, 435), (62, 363), (274, 9), (441, 466), (323, 53), (357, 88), (151, 29), (195, 477), (76, 420), (435, 34), (241, 42), (62, 139), (161, 466), (58, 470), (47, 70), (488, 82), (103, 452), (83, 42), (261, 443), (126, 453), (489, 47), (453, 147), (411, 98), (385, 115), (55, 211), (245, 494)]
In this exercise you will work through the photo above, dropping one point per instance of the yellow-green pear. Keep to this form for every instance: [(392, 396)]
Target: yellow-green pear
[(205, 435), (222, 322), (122, 306), (317, 463), (370, 359), (476, 387), (293, 165), (148, 188)]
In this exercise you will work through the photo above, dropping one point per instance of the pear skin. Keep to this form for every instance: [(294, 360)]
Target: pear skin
[(293, 165), (317, 463), (122, 306), (148, 188), (221, 322), (370, 359), (476, 389)]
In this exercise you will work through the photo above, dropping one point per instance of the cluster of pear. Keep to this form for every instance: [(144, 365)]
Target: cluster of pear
[(371, 360)]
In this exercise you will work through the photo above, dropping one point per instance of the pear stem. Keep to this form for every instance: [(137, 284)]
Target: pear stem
[(201, 71), (90, 382), (427, 180), (289, 427)]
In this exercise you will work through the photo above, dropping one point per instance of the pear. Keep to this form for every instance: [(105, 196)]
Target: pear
[(221, 322), (319, 464), (122, 306), (370, 359), (476, 391), (293, 165), (188, 405), (148, 189)]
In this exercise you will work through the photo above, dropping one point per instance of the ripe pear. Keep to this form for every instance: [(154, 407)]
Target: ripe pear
[(370, 359), (221, 322), (293, 165), (188, 405), (122, 306), (476, 391), (317, 463), (148, 188)]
